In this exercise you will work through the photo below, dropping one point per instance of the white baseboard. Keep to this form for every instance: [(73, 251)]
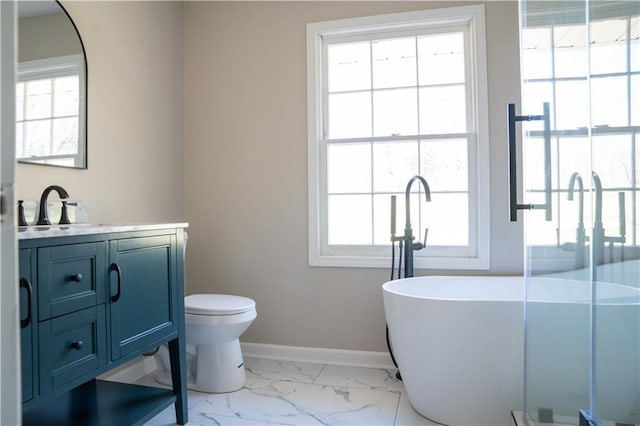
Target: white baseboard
[(318, 355), (132, 371), (136, 369)]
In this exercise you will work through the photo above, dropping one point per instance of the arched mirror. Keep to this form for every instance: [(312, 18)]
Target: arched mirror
[(51, 108)]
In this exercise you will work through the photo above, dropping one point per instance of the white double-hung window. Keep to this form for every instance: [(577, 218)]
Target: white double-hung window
[(390, 97)]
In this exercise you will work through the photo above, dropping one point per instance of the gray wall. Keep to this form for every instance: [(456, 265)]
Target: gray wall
[(236, 168), (134, 57), (46, 36), (245, 152)]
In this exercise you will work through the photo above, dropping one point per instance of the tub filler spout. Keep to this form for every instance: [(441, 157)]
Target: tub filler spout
[(409, 245)]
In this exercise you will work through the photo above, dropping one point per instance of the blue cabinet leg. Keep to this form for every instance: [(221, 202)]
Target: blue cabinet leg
[(178, 357)]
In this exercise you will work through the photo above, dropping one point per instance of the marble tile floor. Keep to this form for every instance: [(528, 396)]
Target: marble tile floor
[(296, 393)]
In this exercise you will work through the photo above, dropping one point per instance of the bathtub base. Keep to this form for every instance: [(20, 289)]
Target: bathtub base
[(461, 361)]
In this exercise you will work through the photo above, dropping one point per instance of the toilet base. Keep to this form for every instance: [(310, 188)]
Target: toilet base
[(219, 368)]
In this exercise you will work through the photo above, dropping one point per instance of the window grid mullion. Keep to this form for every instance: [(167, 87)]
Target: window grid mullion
[(371, 143), (419, 86), (628, 60), (51, 142), (634, 170), (372, 194), (553, 124), (371, 90), (325, 92), (634, 188), (634, 145), (24, 116), (419, 141), (432, 136)]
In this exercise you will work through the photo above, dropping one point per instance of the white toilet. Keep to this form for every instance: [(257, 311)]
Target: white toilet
[(213, 323)]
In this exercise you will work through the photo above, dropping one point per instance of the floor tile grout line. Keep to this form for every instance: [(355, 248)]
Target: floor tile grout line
[(395, 417), (319, 373)]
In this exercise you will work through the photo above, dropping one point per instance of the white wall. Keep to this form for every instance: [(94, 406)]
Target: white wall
[(134, 57), (245, 168)]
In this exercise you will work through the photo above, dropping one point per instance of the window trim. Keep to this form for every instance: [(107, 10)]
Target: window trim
[(478, 172)]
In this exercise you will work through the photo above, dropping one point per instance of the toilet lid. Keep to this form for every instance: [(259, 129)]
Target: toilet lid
[(217, 304)]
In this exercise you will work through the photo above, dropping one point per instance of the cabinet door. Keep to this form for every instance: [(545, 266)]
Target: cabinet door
[(143, 292), (27, 321)]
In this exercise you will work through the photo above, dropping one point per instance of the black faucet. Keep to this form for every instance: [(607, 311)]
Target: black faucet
[(597, 183), (408, 233), (580, 231), (43, 217), (599, 232), (598, 228), (577, 178)]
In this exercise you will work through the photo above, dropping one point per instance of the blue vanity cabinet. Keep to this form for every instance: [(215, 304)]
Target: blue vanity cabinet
[(98, 300), (71, 312), (143, 292)]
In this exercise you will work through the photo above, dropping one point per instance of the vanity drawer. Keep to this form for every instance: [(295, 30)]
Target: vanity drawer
[(71, 346), (71, 277)]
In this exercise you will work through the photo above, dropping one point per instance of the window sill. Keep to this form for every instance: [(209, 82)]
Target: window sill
[(419, 263)]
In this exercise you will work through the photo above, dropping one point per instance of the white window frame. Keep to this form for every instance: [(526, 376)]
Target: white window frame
[(320, 253), (49, 68)]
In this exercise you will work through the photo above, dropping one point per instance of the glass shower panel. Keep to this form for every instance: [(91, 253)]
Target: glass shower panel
[(613, 39), (555, 70), (582, 339)]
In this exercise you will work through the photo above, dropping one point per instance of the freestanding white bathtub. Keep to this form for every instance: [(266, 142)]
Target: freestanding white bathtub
[(459, 343)]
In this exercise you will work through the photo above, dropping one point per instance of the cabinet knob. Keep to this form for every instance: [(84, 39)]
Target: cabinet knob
[(76, 277), (77, 344)]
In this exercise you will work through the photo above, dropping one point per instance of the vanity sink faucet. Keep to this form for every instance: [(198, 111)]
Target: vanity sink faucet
[(43, 217)]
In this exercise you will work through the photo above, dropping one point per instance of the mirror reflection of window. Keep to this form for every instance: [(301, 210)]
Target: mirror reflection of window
[(48, 111), (51, 87)]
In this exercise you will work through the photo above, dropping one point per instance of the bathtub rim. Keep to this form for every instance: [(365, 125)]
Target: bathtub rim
[(630, 298)]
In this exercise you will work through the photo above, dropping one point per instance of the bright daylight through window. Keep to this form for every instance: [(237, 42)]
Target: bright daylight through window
[(391, 97), (48, 113)]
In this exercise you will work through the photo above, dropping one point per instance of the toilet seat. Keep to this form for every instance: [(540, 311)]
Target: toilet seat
[(217, 304)]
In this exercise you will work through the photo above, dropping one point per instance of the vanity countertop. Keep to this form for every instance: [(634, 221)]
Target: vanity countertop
[(30, 232)]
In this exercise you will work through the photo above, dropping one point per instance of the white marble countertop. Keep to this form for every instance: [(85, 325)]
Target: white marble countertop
[(30, 232)]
